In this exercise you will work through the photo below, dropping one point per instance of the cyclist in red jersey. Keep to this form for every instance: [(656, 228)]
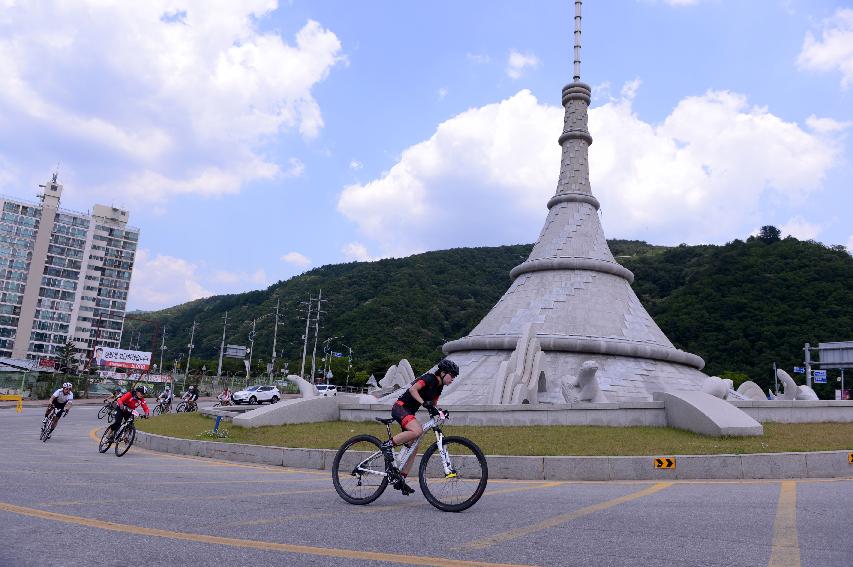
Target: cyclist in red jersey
[(126, 404), (424, 392)]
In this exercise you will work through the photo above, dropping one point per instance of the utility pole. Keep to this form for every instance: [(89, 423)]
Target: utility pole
[(162, 347), (251, 347), (274, 337), (305, 336), (190, 352), (320, 301), (222, 347), (808, 362), (775, 381)]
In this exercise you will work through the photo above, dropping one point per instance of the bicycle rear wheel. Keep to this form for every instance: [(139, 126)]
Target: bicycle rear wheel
[(181, 407), (102, 413), (105, 442), (125, 439), (358, 471), (466, 482)]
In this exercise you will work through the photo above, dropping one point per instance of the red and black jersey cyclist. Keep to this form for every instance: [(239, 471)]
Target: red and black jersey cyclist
[(425, 391), (126, 404)]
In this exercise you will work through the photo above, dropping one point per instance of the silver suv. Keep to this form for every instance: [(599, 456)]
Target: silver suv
[(256, 395)]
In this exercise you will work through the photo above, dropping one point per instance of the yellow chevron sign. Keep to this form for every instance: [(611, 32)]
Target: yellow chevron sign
[(850, 458), (19, 407), (669, 462)]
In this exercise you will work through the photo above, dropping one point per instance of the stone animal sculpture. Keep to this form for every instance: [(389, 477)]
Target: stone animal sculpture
[(751, 391), (715, 386), (306, 388), (398, 376), (518, 378), (584, 387), (791, 390), (371, 383)]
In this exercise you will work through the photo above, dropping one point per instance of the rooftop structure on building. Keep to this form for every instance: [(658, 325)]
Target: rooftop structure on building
[(574, 297), (64, 275)]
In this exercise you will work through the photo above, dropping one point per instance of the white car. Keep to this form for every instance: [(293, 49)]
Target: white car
[(327, 389), (256, 395)]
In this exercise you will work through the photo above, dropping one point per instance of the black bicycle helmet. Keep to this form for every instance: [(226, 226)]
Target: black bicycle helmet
[(141, 389), (447, 365)]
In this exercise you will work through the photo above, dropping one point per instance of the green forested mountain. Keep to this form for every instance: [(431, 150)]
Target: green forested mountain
[(741, 306)]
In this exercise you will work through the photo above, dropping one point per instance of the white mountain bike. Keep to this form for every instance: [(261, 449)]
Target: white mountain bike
[(452, 472)]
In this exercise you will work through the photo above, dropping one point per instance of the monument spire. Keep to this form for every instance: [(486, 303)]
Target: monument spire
[(573, 295), (577, 76)]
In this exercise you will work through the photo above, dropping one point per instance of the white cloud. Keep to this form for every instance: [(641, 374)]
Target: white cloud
[(833, 50), (355, 165), (356, 251), (826, 125), (850, 244), (518, 62), (296, 259), (442, 92), (161, 280), (484, 176), (800, 228), (180, 93)]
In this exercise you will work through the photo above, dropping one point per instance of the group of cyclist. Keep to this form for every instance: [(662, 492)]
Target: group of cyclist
[(425, 391)]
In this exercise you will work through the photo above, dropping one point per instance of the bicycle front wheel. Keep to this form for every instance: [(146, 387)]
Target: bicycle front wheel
[(358, 471), (102, 413), (111, 415), (181, 407), (460, 488), (158, 409), (106, 441), (124, 440), (44, 428)]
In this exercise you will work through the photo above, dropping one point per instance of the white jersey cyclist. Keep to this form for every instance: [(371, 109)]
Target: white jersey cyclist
[(60, 397)]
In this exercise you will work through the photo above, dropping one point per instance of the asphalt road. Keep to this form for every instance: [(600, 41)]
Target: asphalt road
[(63, 503)]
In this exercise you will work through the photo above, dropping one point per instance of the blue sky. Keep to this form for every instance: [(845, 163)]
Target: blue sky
[(252, 141)]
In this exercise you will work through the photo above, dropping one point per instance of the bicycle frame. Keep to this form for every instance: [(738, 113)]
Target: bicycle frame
[(403, 455)]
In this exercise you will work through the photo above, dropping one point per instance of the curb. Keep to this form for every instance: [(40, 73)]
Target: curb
[(823, 464)]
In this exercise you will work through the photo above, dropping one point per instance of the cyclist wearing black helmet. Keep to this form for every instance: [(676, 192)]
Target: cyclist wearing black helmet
[(424, 392), (126, 404)]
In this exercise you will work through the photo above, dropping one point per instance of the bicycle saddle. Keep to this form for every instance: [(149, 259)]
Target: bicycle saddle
[(388, 421)]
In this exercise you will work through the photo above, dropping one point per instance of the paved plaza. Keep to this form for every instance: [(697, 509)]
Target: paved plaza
[(63, 503)]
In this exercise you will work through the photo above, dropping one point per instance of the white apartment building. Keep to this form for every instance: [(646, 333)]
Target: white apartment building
[(64, 275)]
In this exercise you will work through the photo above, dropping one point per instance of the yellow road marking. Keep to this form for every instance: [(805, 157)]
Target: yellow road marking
[(247, 543), (561, 519), (785, 551), (171, 498), (389, 507)]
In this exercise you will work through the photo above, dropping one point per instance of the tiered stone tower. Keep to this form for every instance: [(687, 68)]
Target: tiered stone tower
[(575, 295)]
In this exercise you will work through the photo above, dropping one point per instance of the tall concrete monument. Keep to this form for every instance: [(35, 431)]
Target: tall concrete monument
[(576, 299)]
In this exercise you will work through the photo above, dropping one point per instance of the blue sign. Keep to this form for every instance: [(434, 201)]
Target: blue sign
[(799, 370), (820, 376)]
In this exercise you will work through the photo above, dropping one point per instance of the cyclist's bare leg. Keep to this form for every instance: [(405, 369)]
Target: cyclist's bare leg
[(412, 432)]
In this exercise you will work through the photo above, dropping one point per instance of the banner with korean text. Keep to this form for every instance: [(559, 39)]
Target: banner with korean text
[(119, 358)]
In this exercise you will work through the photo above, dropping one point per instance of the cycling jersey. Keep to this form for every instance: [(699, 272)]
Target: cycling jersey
[(61, 398), (130, 402), (430, 389), (166, 396)]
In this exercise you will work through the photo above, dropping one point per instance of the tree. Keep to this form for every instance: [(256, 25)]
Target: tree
[(67, 363), (769, 234)]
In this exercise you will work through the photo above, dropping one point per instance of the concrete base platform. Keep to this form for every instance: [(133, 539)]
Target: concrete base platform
[(825, 464)]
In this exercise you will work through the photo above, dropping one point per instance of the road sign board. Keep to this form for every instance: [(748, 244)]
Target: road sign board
[(850, 458), (820, 376), (799, 370), (665, 462)]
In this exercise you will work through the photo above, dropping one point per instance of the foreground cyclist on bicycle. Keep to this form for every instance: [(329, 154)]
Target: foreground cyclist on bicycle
[(59, 400), (424, 392), (126, 404)]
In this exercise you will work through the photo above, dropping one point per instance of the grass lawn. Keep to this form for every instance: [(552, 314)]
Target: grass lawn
[(531, 440)]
